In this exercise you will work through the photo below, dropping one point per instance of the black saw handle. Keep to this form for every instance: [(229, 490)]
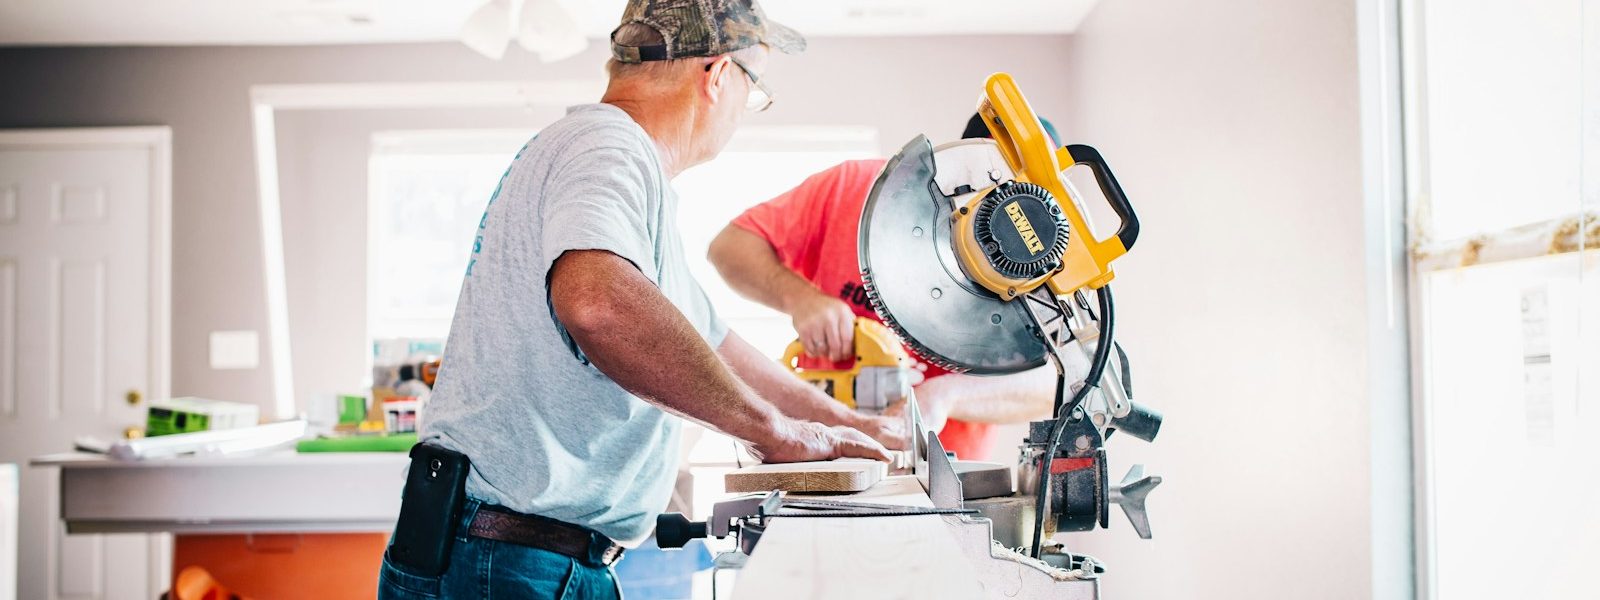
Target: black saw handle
[(1128, 232)]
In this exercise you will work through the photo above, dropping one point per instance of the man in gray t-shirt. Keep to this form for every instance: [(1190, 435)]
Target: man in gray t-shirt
[(581, 340)]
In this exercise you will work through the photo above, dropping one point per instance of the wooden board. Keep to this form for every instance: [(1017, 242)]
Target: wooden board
[(842, 475)]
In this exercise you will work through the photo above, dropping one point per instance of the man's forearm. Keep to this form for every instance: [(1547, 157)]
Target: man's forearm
[(1014, 398), (791, 395), (826, 325), (638, 338), (753, 269)]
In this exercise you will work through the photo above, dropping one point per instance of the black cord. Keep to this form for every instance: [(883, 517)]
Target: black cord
[(1097, 367)]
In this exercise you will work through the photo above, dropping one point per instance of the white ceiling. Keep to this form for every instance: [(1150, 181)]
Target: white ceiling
[(288, 22)]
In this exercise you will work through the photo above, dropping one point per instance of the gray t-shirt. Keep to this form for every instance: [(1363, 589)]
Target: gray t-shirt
[(549, 434)]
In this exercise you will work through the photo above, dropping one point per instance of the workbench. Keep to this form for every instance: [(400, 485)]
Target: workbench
[(248, 520), (343, 506), (280, 492), (853, 557)]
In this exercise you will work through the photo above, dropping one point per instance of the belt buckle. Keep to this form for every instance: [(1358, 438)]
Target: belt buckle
[(611, 555)]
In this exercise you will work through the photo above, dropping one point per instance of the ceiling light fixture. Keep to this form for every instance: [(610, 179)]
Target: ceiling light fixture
[(488, 30), (543, 27), (548, 30)]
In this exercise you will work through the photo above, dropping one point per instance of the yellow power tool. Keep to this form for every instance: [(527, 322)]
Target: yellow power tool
[(980, 255), (878, 379)]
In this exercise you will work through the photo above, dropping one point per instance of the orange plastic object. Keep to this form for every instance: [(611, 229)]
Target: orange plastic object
[(280, 565), (196, 583), (428, 371)]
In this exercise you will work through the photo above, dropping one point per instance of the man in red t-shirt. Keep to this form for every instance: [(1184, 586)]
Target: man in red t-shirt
[(797, 253)]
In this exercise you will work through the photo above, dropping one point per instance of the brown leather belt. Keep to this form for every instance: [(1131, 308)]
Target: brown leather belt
[(501, 524)]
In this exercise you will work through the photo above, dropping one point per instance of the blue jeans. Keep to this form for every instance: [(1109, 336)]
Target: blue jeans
[(487, 569)]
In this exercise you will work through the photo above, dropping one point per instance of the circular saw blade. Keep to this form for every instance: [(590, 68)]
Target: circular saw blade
[(917, 286)]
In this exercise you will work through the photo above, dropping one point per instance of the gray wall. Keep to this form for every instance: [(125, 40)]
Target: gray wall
[(903, 86), (1235, 128)]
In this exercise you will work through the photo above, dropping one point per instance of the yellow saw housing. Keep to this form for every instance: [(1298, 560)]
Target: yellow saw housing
[(1017, 235)]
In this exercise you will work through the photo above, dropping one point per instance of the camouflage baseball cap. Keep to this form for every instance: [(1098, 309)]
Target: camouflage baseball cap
[(702, 28)]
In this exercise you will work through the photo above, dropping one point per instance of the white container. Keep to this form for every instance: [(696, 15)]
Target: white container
[(400, 414)]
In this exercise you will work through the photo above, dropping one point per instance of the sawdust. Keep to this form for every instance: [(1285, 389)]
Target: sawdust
[(1001, 552)]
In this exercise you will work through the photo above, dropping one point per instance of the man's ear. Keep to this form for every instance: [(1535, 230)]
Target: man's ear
[(716, 77)]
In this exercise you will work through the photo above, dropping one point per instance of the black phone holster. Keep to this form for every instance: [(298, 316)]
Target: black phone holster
[(430, 510)]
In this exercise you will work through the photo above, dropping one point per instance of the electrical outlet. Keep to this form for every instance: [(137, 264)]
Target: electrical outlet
[(235, 349)]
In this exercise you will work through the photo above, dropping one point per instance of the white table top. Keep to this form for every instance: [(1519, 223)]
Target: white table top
[(79, 460), (280, 491)]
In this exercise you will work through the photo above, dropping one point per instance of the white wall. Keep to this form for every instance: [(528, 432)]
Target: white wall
[(1234, 127)]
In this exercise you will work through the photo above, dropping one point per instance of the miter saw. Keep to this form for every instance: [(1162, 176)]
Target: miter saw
[(980, 255)]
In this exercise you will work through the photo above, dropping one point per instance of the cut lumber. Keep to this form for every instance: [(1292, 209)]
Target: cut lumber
[(841, 475)]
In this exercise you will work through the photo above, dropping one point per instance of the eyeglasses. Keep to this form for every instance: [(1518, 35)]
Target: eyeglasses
[(760, 97)]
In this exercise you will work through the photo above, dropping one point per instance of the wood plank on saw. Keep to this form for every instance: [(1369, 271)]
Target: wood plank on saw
[(840, 475)]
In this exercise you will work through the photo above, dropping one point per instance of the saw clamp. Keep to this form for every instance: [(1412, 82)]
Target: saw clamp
[(746, 517)]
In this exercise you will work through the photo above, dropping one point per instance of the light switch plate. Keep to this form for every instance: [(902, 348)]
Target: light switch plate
[(235, 349)]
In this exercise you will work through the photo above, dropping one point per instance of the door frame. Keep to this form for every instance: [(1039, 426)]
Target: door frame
[(158, 140)]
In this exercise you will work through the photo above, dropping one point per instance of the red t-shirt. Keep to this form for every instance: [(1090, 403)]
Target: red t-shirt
[(813, 228)]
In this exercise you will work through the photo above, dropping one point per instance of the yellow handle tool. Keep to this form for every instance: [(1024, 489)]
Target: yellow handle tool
[(1028, 151), (875, 380)]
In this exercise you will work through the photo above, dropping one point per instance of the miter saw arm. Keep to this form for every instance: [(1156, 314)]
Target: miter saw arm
[(1116, 409), (1068, 412)]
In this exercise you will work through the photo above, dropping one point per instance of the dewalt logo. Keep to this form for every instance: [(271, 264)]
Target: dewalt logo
[(1024, 228)]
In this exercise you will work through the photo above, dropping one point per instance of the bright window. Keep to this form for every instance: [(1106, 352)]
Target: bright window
[(1503, 132), (1503, 111), (428, 190)]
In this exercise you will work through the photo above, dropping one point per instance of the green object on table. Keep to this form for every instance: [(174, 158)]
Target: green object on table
[(352, 409), (161, 421), (399, 442), (187, 415)]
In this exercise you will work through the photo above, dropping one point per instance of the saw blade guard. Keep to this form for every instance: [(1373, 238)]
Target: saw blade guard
[(916, 283), (949, 236)]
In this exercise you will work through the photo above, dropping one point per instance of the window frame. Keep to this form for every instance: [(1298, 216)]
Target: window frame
[(1577, 231)]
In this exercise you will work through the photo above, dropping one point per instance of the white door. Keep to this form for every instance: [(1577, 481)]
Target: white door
[(80, 331), (8, 532)]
